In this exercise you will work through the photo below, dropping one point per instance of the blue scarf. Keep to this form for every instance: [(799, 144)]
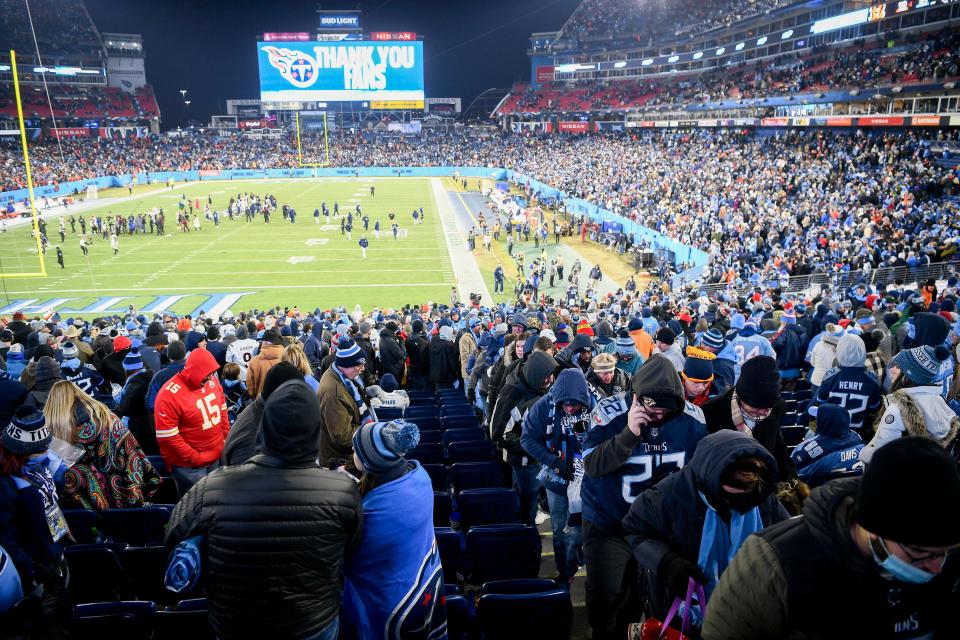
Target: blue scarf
[(366, 412), (720, 541)]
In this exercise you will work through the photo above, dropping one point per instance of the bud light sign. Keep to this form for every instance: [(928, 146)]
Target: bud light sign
[(342, 71)]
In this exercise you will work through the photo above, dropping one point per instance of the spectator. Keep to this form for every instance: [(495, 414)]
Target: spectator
[(191, 420), (851, 386), (418, 350), (858, 539), (915, 407), (825, 355), (276, 530), (521, 389), (293, 353), (605, 379), (271, 349), (16, 362), (666, 343), (444, 360), (132, 404), (177, 354), (833, 449), (697, 375), (241, 443), (342, 407), (725, 364), (392, 354), (633, 441), (393, 583), (112, 472), (242, 350), (691, 524), (388, 394), (554, 430), (46, 373)]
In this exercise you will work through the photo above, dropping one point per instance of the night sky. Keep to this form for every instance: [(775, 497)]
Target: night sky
[(209, 48)]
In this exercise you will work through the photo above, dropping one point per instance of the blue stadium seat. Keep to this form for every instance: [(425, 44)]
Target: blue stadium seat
[(167, 493), (389, 413), (476, 475), (421, 394), (501, 552), (448, 544), (470, 434), (84, 525), (426, 454), (487, 506), (459, 620), (159, 465), (114, 619), (431, 436), (140, 527), (457, 411), (481, 451), (531, 615), (428, 424), (190, 619), (143, 570), (804, 394), (461, 422), (793, 436), (442, 507), (95, 573), (438, 476)]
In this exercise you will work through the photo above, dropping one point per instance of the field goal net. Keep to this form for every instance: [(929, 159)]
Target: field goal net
[(312, 138)]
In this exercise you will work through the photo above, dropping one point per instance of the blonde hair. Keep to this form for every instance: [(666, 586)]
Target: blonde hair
[(59, 410), (294, 355)]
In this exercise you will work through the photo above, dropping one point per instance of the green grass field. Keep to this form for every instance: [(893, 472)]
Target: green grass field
[(263, 264)]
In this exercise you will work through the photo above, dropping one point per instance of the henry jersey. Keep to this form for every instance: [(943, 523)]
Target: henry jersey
[(853, 388), (86, 377), (661, 450)]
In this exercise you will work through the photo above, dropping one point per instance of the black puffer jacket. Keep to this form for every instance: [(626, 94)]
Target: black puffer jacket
[(392, 355), (444, 361), (522, 387), (419, 351), (277, 528)]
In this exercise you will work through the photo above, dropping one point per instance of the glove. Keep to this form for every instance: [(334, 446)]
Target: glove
[(675, 571), (564, 469), (472, 395)]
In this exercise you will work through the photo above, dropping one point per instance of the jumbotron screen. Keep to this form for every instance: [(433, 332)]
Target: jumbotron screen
[(341, 71)]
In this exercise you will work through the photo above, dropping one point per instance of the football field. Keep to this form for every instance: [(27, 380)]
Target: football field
[(241, 265)]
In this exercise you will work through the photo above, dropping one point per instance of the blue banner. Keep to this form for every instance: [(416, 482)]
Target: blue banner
[(340, 71)]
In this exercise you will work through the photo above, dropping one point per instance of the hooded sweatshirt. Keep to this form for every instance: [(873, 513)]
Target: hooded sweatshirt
[(569, 355), (553, 436), (850, 385), (521, 388), (190, 417)]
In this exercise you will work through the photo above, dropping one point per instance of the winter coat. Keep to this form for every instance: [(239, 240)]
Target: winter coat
[(466, 346), (444, 361), (619, 384), (260, 364), (339, 419), (805, 578), (112, 367), (520, 390), (914, 411), (790, 345), (139, 419), (569, 355), (834, 448), (669, 517), (241, 444), (369, 374), (823, 359), (12, 395), (418, 350), (392, 355), (314, 348), (275, 538), (767, 432)]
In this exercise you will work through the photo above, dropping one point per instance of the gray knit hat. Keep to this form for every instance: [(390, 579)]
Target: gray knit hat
[(380, 446)]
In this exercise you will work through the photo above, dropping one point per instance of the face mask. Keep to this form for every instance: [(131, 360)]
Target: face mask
[(898, 569), (750, 422), (741, 502)]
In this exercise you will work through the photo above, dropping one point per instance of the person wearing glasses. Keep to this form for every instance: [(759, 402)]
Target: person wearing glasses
[(872, 557)]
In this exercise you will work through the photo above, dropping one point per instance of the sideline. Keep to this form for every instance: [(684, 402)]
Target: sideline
[(465, 269)]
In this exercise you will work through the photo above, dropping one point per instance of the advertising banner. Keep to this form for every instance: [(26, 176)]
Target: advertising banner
[(406, 36), (839, 122), (345, 71), (70, 132), (287, 36), (880, 121), (925, 121), (573, 127), (545, 73)]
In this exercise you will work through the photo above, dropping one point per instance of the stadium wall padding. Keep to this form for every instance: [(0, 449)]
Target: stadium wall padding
[(683, 253)]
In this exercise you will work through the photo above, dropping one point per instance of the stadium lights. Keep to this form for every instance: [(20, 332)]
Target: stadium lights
[(4, 67), (620, 65), (740, 46), (721, 50), (673, 58), (698, 55), (948, 85), (762, 41), (786, 34), (647, 62)]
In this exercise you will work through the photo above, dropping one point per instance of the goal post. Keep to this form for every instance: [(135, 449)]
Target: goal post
[(313, 143), (42, 272)]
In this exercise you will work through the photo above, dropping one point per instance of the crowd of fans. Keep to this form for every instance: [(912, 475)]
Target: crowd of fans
[(63, 27), (81, 102), (932, 58), (668, 431), (762, 206), (605, 23)]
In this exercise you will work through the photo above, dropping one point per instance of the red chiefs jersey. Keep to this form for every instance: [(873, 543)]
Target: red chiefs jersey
[(190, 415)]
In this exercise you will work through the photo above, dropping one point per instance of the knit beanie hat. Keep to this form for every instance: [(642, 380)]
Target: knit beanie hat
[(698, 366), (132, 361), (788, 317), (626, 346), (604, 363), (759, 383), (713, 339), (634, 324), (47, 369), (904, 490), (349, 354), (417, 326), (737, 321), (921, 364), (389, 383), (666, 336), (120, 343), (27, 432), (70, 351), (380, 446)]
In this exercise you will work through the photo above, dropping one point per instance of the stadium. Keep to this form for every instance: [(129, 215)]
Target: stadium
[(607, 319)]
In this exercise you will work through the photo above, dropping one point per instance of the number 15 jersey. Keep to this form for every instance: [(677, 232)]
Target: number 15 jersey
[(626, 465)]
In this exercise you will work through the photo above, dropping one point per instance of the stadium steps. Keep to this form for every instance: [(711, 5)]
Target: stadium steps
[(548, 568)]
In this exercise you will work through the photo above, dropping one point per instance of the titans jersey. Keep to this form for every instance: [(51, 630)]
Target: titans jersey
[(85, 377), (746, 347), (662, 450), (853, 388)]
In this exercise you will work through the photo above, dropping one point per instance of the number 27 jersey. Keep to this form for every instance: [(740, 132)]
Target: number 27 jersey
[(659, 451)]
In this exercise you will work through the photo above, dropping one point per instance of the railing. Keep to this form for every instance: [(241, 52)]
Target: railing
[(835, 281)]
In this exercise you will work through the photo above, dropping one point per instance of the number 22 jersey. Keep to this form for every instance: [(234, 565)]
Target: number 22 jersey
[(631, 464)]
